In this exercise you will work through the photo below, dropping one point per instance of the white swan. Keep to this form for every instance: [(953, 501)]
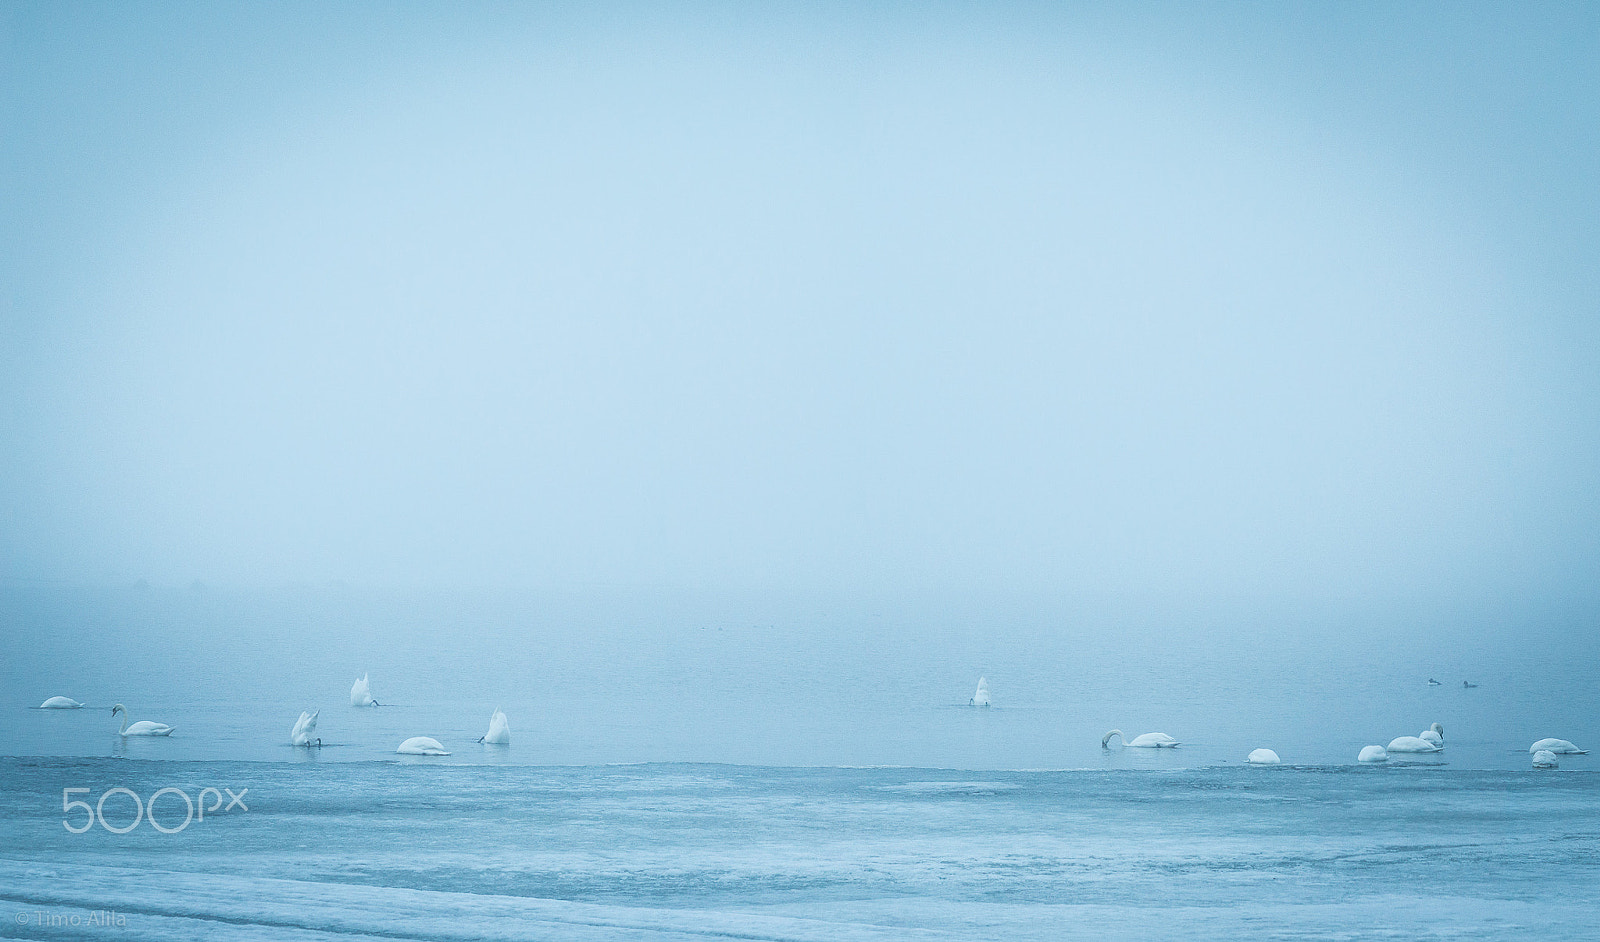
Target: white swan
[(305, 728), (141, 728), (1146, 741), (981, 698), (1545, 759), (1433, 734), (1413, 744), (1372, 754), (61, 703), (421, 746), (499, 733), (1264, 757), (361, 694), (1558, 746)]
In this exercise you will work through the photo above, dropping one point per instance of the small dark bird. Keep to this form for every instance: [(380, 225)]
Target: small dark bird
[(1434, 683), (1467, 685)]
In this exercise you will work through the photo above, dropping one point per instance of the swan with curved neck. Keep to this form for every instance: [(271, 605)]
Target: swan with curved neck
[(141, 728), (304, 732), (1433, 734), (499, 733), (1144, 741), (361, 693)]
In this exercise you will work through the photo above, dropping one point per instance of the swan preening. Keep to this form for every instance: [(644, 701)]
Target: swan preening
[(981, 698), (1146, 741), (1545, 759), (305, 728), (499, 733), (141, 728), (421, 746), (1413, 744), (1557, 746), (1433, 734), (1373, 754), (361, 694), (61, 703), (1264, 757)]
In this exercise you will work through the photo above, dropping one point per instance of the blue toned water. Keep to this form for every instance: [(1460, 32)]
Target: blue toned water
[(680, 771)]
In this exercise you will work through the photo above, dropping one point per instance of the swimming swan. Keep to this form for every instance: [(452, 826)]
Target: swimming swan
[(1433, 734), (499, 733), (421, 746), (304, 730), (141, 728), (1545, 759), (1146, 741), (61, 703), (1558, 746), (361, 694), (1413, 744), (1372, 754), (1264, 757), (981, 698)]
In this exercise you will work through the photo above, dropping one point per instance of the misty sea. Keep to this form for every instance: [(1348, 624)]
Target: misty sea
[(686, 771)]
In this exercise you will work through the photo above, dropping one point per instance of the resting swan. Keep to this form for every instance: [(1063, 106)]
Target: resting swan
[(1433, 734), (1558, 746), (361, 694), (141, 728), (1545, 759), (304, 729), (981, 698), (61, 703), (1372, 754), (499, 733), (1146, 741), (1413, 744), (421, 746), (1264, 757)]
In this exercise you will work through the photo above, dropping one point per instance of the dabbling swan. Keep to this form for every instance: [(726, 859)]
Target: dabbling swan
[(1413, 744), (1372, 754), (421, 746), (1557, 746), (361, 694), (141, 728), (1433, 734), (1146, 741), (61, 703), (304, 732), (1264, 757), (1545, 759), (981, 698), (499, 733)]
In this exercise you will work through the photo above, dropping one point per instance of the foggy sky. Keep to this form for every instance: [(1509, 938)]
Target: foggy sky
[(1296, 300)]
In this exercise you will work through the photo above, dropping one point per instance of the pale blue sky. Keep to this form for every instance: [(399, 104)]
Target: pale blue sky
[(1283, 299)]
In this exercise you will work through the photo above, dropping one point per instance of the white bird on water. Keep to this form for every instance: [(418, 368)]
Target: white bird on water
[(499, 733), (1264, 757), (1433, 734), (361, 694), (141, 728), (1373, 754), (421, 746), (1545, 759), (981, 698), (1557, 746), (1413, 744), (1145, 741), (304, 732), (61, 703)]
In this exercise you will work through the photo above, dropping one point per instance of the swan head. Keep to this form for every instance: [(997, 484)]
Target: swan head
[(1105, 741), (119, 708), (1438, 729)]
